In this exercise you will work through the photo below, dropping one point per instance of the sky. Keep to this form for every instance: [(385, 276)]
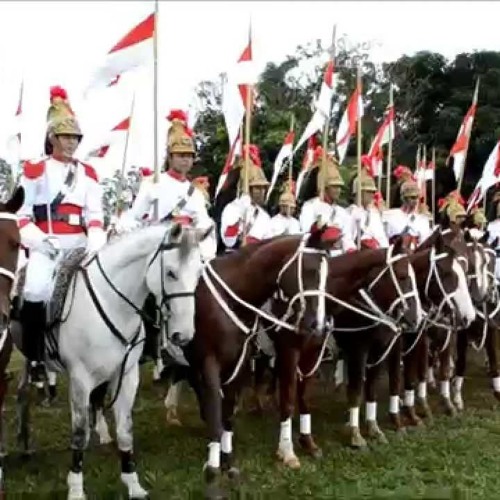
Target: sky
[(62, 43)]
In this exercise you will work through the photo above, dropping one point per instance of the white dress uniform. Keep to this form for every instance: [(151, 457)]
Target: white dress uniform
[(179, 201), (493, 229), (368, 222), (334, 216), (282, 224), (62, 203), (416, 226)]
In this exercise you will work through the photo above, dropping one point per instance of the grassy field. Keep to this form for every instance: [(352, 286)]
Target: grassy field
[(453, 458)]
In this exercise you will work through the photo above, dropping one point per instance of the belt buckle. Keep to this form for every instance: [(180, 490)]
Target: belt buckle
[(74, 220)]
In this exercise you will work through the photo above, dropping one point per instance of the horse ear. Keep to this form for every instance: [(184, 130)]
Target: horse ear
[(494, 243), (314, 240), (16, 200), (176, 231), (468, 238), (439, 244), (398, 245), (484, 238)]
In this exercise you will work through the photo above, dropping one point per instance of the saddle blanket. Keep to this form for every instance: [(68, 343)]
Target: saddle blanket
[(62, 280)]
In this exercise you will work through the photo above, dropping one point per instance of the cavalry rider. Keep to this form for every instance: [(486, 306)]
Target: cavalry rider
[(203, 185), (493, 229), (284, 223), (318, 212), (478, 223), (367, 227), (452, 211), (176, 197), (245, 216), (62, 210), (407, 220)]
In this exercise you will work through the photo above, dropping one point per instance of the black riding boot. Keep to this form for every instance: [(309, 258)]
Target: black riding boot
[(33, 321)]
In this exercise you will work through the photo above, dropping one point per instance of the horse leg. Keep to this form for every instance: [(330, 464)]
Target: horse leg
[(356, 362), (423, 407), (372, 378), (444, 379), (172, 403), (99, 423), (306, 439), (80, 433), (227, 456), (411, 362), (122, 410), (460, 369), (394, 371), (492, 353), (287, 361), (23, 411)]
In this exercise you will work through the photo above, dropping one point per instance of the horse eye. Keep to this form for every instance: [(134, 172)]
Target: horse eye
[(171, 274)]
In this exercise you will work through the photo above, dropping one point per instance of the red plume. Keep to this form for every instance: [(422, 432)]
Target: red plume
[(177, 114), (442, 202), (318, 154), (57, 91), (145, 171)]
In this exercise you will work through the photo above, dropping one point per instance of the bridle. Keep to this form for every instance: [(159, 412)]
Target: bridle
[(11, 275)]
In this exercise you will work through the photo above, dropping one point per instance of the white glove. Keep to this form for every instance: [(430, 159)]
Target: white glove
[(50, 247), (245, 203), (96, 240)]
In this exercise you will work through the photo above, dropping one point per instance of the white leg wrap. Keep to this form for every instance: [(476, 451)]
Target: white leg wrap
[(52, 376), (339, 372), (422, 390), (410, 398), (354, 417), (272, 362), (458, 382), (75, 486), (305, 424), (131, 481), (101, 427), (214, 454), (445, 389), (371, 411), (430, 375), (172, 397), (226, 442), (394, 404), (496, 384)]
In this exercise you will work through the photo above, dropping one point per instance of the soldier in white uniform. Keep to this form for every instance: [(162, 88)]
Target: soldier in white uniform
[(176, 197), (62, 210), (367, 226), (493, 229), (318, 212), (284, 222), (407, 220), (244, 216)]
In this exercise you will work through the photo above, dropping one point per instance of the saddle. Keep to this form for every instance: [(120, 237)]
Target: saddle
[(63, 278)]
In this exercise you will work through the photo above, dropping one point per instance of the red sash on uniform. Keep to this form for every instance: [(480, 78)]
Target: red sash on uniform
[(370, 243)]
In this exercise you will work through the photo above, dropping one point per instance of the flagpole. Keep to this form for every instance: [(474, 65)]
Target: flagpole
[(359, 138), (433, 201), (119, 204), (424, 162), (156, 177), (290, 166), (462, 170), (389, 152), (322, 171)]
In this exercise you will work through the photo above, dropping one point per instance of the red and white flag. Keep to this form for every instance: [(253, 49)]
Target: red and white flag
[(240, 81), (384, 135), (284, 153), (101, 151), (347, 127), (489, 177), (459, 149), (322, 105), (135, 49), (307, 161)]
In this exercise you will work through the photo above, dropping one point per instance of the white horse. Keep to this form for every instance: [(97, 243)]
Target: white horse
[(101, 333)]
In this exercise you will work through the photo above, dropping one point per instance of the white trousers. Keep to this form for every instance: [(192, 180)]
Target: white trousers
[(39, 277)]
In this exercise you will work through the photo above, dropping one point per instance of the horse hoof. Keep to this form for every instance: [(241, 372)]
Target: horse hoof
[(233, 473), (172, 418), (215, 492), (356, 440), (307, 443), (374, 432), (497, 395), (211, 474), (449, 409), (458, 402), (395, 419), (424, 410), (290, 460), (412, 418)]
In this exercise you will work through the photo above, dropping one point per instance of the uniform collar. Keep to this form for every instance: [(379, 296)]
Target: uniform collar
[(62, 160), (176, 175)]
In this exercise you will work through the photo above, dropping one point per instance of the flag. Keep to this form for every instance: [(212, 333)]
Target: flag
[(347, 127), (284, 153), (102, 150), (307, 161), (132, 51), (384, 134), (99, 152), (459, 149), (322, 105), (489, 177)]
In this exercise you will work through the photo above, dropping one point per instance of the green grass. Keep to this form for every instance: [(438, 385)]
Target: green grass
[(452, 458)]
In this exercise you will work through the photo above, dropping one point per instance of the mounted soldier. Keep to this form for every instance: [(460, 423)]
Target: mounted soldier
[(245, 215), (176, 197), (318, 212), (284, 222), (203, 185), (407, 220), (452, 212), (493, 229), (62, 211), (367, 227)]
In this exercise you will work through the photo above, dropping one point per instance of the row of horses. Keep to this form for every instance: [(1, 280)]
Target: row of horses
[(380, 305)]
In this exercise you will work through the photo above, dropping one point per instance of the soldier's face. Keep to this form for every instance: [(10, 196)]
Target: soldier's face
[(65, 145), (366, 198), (333, 192), (411, 202), (181, 162), (286, 210), (258, 195)]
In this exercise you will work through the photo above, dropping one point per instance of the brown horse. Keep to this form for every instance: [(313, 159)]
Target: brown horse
[(228, 300), (9, 254)]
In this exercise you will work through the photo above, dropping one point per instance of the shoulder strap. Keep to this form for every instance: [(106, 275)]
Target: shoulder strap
[(180, 204)]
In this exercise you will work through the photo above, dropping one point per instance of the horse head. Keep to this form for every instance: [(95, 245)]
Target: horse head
[(477, 274), (9, 251), (173, 276)]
